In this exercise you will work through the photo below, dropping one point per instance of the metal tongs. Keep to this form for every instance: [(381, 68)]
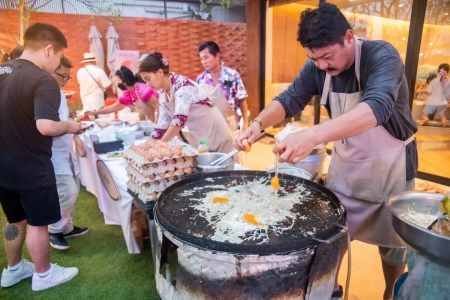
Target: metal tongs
[(222, 159)]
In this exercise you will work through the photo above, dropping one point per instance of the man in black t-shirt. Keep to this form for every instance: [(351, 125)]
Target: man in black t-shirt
[(29, 102)]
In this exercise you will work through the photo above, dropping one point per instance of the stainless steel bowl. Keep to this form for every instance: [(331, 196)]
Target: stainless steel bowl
[(422, 240), (205, 159), (294, 171)]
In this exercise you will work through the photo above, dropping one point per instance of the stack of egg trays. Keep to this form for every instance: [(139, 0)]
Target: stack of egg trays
[(149, 179)]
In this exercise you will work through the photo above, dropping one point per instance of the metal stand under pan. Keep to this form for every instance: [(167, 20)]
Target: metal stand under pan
[(186, 271), (148, 207)]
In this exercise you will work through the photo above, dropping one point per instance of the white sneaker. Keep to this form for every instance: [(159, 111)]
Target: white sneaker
[(11, 278), (56, 276)]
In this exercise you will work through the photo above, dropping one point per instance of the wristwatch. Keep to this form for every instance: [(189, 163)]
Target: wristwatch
[(256, 121)]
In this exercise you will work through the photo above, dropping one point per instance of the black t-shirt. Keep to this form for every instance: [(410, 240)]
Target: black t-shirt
[(27, 93)]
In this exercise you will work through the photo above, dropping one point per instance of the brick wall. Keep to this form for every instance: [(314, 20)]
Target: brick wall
[(176, 39)]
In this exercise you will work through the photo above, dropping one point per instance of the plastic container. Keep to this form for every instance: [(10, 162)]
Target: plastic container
[(202, 148)]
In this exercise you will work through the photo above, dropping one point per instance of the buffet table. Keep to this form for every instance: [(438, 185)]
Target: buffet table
[(114, 212)]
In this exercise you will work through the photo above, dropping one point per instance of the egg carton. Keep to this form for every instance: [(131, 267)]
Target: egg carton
[(156, 185), (143, 196), (164, 165), (141, 178), (159, 173), (139, 161)]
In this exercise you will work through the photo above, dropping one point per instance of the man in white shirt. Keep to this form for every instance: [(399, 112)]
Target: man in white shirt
[(439, 90), (66, 170), (93, 83)]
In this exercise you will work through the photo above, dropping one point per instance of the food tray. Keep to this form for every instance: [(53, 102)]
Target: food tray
[(155, 185), (139, 161), (150, 176), (145, 198)]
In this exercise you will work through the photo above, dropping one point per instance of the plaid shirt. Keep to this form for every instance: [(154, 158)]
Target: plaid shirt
[(231, 84)]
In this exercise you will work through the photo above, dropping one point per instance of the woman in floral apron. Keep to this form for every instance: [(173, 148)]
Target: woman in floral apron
[(183, 103)]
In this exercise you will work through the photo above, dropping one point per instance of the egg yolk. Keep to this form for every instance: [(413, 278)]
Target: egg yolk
[(251, 219), (247, 146), (275, 182), (220, 200)]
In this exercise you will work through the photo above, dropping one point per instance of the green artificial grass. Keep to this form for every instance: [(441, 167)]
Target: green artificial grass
[(106, 269)]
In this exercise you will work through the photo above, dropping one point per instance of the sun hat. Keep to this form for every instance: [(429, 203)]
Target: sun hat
[(143, 56), (88, 57)]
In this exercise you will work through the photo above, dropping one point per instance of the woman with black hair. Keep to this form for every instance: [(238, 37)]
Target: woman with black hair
[(134, 94), (183, 103)]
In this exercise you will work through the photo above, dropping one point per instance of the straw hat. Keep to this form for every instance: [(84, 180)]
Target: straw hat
[(88, 57)]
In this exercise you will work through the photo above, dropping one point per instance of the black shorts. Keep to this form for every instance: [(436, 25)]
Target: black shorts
[(39, 207)]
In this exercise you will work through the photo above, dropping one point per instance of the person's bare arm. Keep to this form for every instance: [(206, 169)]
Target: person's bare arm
[(53, 128), (271, 115), (297, 146), (107, 110), (171, 132), (244, 108)]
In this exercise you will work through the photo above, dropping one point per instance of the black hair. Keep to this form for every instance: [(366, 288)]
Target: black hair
[(40, 35), (126, 76), (212, 47), (15, 53), (321, 27), (153, 63), (431, 77), (65, 62), (444, 66)]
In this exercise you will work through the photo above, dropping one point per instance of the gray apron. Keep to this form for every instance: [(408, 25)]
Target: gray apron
[(364, 170), (216, 95), (205, 123)]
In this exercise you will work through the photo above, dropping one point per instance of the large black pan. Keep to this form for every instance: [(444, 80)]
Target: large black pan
[(324, 212)]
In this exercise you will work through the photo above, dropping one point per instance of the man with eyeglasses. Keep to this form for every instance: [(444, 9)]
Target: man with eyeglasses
[(66, 170)]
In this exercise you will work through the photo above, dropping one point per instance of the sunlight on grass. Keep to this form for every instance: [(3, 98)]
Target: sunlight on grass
[(107, 270)]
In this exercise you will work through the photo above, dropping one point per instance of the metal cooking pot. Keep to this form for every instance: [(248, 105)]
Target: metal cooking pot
[(422, 240), (204, 159)]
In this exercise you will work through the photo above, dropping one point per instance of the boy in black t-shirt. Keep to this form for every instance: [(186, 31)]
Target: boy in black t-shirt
[(29, 102)]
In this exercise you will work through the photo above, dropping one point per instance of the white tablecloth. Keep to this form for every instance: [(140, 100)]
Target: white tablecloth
[(114, 212)]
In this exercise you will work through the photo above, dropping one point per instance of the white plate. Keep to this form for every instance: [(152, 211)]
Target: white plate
[(86, 124), (105, 156), (69, 93)]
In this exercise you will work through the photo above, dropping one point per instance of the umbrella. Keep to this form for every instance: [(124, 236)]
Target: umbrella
[(113, 44), (96, 46)]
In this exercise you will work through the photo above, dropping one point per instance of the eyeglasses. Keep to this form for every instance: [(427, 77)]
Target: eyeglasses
[(64, 78)]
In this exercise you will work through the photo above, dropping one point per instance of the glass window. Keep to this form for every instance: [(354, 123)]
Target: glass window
[(433, 91), (284, 54)]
